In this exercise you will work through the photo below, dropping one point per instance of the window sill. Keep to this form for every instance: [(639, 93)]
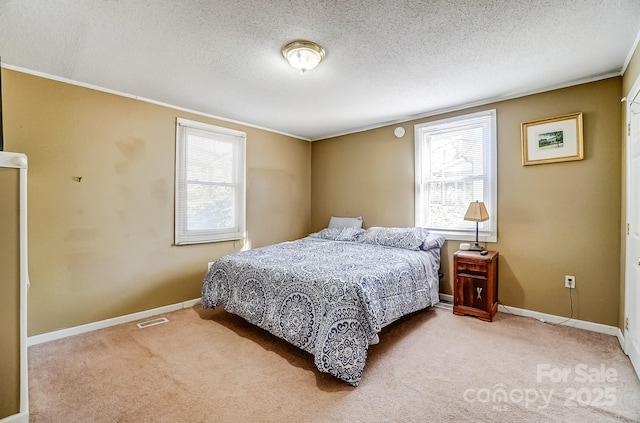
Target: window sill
[(465, 236)]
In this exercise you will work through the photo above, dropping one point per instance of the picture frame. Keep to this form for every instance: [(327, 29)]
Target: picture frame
[(552, 140)]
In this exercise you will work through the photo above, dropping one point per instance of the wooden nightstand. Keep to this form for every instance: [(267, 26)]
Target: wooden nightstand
[(475, 284)]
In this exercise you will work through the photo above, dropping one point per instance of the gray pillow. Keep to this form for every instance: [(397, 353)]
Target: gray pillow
[(432, 241), (339, 234), (407, 238), (345, 222)]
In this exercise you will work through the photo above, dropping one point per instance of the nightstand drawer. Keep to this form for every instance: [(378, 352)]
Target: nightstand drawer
[(472, 267)]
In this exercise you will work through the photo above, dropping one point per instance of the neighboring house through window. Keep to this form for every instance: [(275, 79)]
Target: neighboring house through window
[(210, 183), (455, 165)]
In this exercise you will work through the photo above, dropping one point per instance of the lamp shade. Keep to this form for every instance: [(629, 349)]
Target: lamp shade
[(303, 55), (476, 212)]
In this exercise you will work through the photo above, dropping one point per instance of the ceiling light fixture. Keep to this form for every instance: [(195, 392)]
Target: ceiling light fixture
[(303, 55)]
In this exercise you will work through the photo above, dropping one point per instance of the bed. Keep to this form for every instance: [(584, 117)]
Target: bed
[(332, 292)]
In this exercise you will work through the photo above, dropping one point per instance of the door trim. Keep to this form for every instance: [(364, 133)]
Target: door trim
[(633, 93)]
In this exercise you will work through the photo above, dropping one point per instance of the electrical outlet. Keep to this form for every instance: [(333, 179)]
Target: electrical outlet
[(569, 281)]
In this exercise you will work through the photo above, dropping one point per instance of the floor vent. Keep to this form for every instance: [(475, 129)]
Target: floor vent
[(152, 322)]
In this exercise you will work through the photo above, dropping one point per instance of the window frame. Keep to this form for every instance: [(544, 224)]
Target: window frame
[(488, 230), (182, 235)]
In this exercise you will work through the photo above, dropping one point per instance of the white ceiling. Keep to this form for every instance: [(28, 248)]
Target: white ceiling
[(387, 61)]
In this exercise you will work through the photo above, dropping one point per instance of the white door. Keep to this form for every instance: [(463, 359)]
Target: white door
[(632, 280)]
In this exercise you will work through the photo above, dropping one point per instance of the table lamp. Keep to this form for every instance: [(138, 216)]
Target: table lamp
[(476, 212)]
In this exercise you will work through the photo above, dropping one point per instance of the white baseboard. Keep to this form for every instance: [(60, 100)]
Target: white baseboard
[(551, 318), (620, 336), (16, 418), (63, 333), (446, 298)]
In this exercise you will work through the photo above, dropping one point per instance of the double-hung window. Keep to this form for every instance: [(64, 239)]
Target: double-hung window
[(456, 163), (210, 183)]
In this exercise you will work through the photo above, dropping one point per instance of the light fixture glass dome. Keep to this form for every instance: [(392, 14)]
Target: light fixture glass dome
[(303, 55)]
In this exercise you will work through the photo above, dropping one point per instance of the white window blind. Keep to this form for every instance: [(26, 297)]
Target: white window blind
[(455, 165), (210, 183)]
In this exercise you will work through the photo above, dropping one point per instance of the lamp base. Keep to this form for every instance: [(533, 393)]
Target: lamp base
[(476, 247)]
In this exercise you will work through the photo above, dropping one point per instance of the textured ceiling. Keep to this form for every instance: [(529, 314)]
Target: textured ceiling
[(387, 61)]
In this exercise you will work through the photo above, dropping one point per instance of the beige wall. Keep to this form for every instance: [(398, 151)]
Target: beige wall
[(10, 298), (102, 247), (553, 219)]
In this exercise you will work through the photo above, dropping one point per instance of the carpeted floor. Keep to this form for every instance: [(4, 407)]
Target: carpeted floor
[(211, 366)]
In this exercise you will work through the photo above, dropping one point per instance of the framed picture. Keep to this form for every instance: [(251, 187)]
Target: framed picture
[(557, 139)]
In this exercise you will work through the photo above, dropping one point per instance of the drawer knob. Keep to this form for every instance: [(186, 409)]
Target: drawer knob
[(479, 293)]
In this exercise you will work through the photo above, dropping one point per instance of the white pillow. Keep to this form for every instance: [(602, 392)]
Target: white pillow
[(345, 222)]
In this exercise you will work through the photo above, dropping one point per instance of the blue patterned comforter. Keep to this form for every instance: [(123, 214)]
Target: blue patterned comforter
[(329, 298)]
